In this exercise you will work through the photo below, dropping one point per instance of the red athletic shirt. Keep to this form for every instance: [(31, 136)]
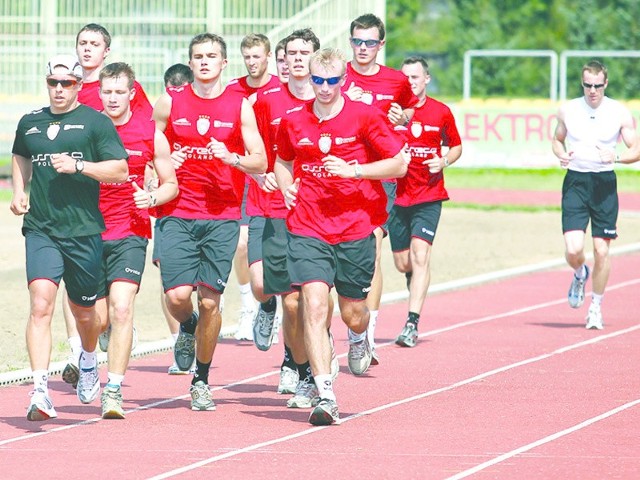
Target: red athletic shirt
[(383, 88), (239, 85), (121, 216), (328, 207), (209, 188), (90, 95), (271, 105), (431, 127)]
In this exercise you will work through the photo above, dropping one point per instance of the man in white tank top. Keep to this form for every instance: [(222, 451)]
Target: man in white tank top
[(585, 142)]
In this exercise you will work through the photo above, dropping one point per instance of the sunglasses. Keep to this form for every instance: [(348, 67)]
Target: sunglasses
[(368, 43), (52, 82), (589, 86), (330, 81)]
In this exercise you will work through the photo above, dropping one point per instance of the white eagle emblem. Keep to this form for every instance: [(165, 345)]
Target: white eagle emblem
[(324, 144), (52, 131), (203, 124), (416, 129)]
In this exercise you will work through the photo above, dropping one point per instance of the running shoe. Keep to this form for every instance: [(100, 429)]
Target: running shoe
[(359, 357), (304, 395), (594, 318), (288, 380), (576, 290), (263, 329), (71, 373), (409, 335), (112, 403), (88, 383), (245, 325), (103, 339), (184, 350), (41, 407), (325, 413), (201, 399)]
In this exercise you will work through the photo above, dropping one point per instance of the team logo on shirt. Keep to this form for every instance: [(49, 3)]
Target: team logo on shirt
[(416, 129), (367, 97), (52, 131), (324, 143), (203, 124)]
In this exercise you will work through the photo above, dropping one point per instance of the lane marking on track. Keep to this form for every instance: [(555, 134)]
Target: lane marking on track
[(380, 408), (381, 345), (542, 441)]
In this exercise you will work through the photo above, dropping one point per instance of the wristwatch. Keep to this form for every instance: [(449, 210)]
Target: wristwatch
[(79, 165)]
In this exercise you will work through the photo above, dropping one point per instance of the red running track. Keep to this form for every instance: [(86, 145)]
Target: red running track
[(505, 383)]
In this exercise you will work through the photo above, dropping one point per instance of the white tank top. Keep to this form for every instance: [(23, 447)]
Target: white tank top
[(589, 128)]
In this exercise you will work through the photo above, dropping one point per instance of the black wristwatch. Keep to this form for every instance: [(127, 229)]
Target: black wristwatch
[(79, 165)]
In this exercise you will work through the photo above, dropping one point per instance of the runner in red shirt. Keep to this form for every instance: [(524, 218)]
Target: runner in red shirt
[(415, 216), (214, 141), (331, 155), (268, 232), (93, 44), (124, 207), (388, 90), (256, 51)]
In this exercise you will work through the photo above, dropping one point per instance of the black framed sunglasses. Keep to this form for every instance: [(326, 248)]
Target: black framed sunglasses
[(320, 80), (589, 86), (52, 82), (367, 43)]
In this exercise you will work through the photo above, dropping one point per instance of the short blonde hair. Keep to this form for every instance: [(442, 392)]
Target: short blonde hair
[(325, 58)]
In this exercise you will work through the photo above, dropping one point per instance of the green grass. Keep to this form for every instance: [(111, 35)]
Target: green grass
[(526, 179)]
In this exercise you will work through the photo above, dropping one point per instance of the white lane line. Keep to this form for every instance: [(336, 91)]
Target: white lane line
[(542, 441), (404, 401)]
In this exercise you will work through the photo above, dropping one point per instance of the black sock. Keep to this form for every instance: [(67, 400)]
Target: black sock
[(408, 276), (413, 318), (304, 372), (288, 359), (190, 325), (202, 372), (270, 305)]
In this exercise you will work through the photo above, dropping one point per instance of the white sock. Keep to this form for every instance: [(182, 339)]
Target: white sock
[(114, 380), (246, 297), (41, 380), (87, 359), (356, 337), (76, 346), (596, 299), (580, 272), (325, 386), (373, 317)]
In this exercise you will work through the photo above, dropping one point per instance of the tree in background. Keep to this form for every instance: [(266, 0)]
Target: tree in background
[(442, 30)]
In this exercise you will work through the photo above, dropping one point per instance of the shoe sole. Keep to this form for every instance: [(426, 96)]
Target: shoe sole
[(405, 342), (320, 417), (36, 415), (113, 415), (70, 375)]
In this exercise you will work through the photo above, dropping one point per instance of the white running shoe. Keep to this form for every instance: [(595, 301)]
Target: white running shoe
[(41, 407), (245, 325), (88, 383), (576, 290), (594, 318), (288, 380), (359, 358), (304, 396), (201, 399), (103, 339)]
